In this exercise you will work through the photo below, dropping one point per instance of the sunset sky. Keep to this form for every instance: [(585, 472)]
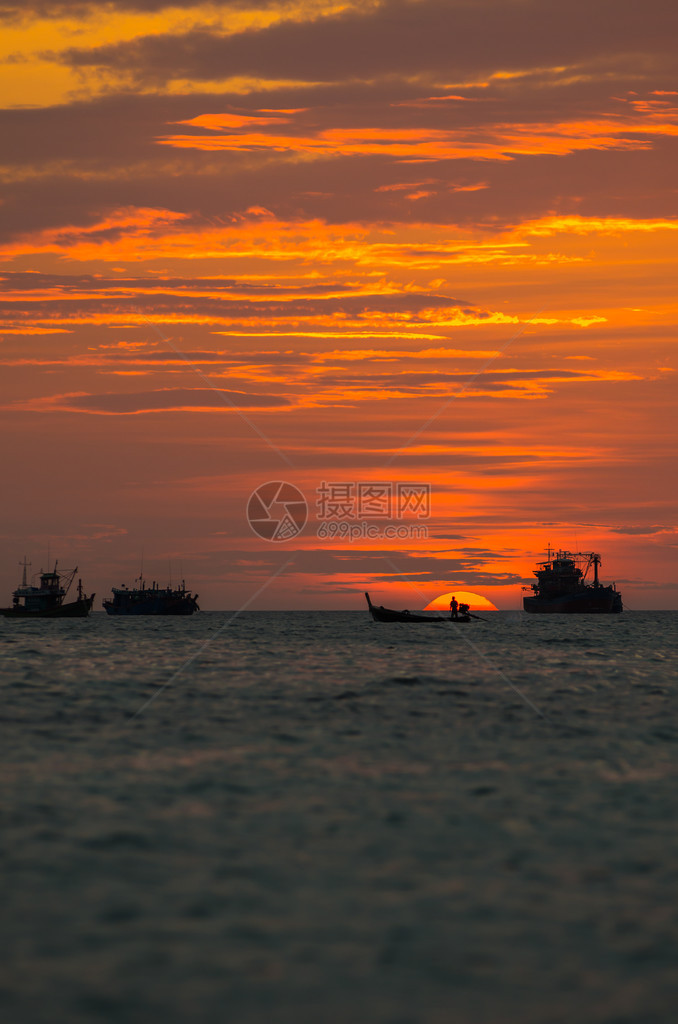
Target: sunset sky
[(313, 241)]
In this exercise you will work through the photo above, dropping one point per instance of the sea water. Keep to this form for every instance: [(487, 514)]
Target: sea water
[(315, 818)]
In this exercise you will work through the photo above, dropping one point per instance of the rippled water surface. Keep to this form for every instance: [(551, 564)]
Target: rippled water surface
[(314, 818)]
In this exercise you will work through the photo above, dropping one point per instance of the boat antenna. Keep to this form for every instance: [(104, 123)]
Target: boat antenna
[(26, 565), (169, 562)]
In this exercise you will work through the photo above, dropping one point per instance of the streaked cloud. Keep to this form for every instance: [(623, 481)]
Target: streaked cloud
[(165, 399)]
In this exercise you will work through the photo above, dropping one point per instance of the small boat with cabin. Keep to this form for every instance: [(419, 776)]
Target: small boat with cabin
[(48, 600)]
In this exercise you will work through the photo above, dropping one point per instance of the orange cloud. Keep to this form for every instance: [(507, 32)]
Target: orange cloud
[(349, 355), (499, 141), (217, 122), (139, 234), (572, 224), (120, 229)]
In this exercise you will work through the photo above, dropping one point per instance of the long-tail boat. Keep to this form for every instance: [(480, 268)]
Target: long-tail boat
[(381, 614)]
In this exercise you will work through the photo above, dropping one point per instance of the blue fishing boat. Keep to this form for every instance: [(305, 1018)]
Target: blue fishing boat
[(48, 601)]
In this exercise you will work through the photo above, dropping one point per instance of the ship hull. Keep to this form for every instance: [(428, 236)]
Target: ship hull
[(150, 608), (74, 610), (589, 602)]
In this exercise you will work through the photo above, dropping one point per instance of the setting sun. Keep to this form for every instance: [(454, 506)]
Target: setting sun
[(476, 602)]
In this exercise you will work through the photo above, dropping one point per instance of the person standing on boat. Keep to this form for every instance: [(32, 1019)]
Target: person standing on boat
[(454, 604)]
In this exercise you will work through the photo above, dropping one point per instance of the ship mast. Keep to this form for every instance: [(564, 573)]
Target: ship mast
[(596, 563), (26, 565)]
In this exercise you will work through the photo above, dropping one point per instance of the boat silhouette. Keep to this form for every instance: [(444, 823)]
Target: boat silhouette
[(381, 614), (562, 586), (153, 600), (48, 600)]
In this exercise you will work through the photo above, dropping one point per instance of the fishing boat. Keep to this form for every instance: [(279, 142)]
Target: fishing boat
[(381, 614), (48, 600), (153, 600), (563, 586)]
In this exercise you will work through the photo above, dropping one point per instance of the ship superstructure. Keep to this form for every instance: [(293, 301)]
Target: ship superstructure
[(563, 586)]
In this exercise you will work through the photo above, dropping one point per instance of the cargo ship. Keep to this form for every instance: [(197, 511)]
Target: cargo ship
[(48, 600), (562, 586), (153, 600)]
